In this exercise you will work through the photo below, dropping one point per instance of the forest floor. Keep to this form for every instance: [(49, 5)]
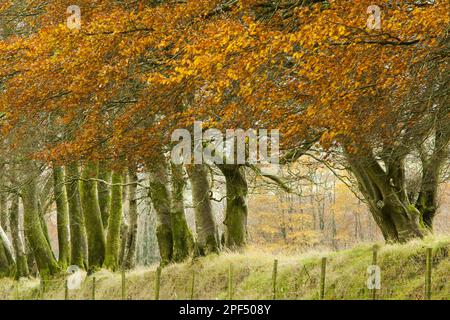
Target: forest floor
[(298, 276)]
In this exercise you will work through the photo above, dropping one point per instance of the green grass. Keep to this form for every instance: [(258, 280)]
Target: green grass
[(403, 275)]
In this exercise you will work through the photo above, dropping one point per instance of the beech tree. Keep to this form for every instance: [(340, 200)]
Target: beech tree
[(78, 240), (236, 206), (114, 222), (208, 240), (131, 238), (62, 216), (92, 216), (85, 104)]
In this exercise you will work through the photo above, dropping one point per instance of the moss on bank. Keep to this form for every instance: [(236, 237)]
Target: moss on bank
[(403, 274)]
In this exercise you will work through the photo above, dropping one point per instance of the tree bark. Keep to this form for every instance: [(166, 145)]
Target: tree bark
[(236, 206), (92, 216), (17, 240), (131, 238), (7, 261), (3, 212), (431, 170), (160, 195), (398, 220), (104, 192), (32, 266), (114, 223), (78, 241), (205, 223), (183, 241), (44, 223), (123, 243), (62, 216), (43, 254)]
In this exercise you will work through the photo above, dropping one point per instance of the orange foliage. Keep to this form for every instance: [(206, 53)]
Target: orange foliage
[(117, 87)]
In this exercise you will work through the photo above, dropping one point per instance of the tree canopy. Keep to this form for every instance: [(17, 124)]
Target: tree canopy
[(373, 100)]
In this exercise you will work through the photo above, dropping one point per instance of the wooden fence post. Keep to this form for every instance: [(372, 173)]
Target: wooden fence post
[(123, 285), (428, 274), (230, 282), (374, 263), (274, 279), (93, 288), (192, 286), (66, 289), (323, 270), (17, 290), (157, 282)]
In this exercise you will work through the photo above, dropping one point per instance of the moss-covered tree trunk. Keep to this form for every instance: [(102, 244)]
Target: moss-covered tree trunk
[(104, 192), (160, 195), (384, 190), (78, 241), (17, 240), (6, 269), (124, 225), (92, 216), (183, 241), (34, 232), (432, 167), (114, 223), (7, 261), (3, 202), (43, 223), (3, 212), (32, 266), (62, 216), (205, 223), (427, 203), (132, 232), (236, 206), (382, 181)]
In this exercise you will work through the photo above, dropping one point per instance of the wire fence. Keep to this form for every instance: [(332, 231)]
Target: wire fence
[(287, 282)]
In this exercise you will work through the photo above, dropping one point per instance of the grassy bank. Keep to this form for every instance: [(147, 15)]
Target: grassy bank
[(402, 277)]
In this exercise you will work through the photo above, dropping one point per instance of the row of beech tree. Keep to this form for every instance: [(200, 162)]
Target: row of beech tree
[(94, 103), (91, 229)]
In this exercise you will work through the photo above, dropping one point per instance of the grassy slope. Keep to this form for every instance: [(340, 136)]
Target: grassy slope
[(403, 270)]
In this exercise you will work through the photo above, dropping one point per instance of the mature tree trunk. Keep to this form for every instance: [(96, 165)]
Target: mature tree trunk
[(125, 216), (431, 170), (17, 240), (427, 199), (114, 222), (78, 241), (147, 252), (104, 192), (32, 266), (183, 241), (92, 216), (3, 200), (384, 187), (160, 195), (205, 223), (132, 232), (42, 251), (3, 211), (7, 261), (385, 193), (44, 223), (62, 216), (6, 269), (236, 207)]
